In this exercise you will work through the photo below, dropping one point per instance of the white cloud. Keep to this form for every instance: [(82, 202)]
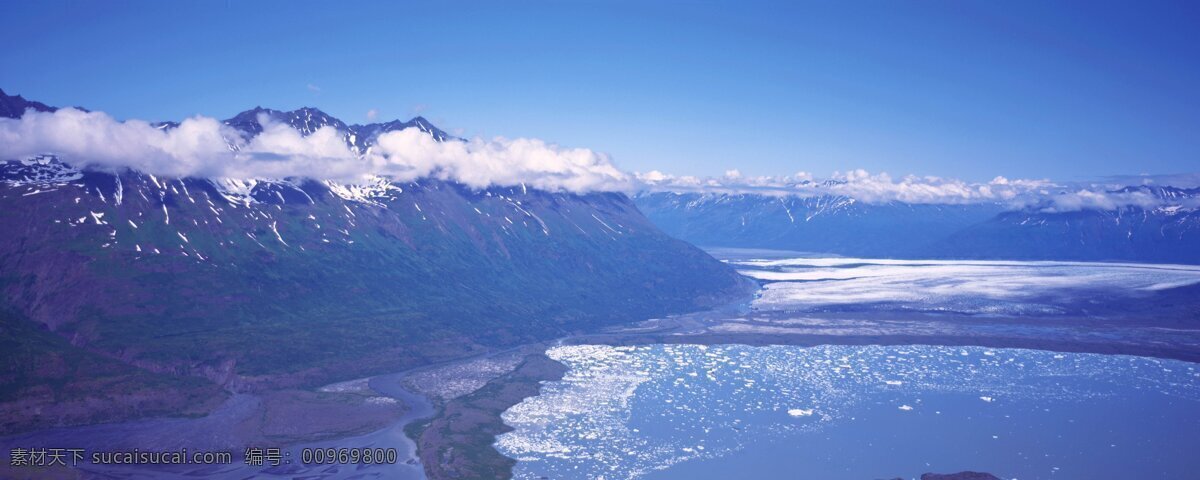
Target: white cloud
[(653, 177), (93, 138), (410, 154), (372, 114), (1074, 201), (205, 147)]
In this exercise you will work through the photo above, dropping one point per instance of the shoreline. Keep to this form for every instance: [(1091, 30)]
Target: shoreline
[(458, 441)]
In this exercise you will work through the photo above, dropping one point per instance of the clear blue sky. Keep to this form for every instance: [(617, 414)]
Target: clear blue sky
[(1065, 90)]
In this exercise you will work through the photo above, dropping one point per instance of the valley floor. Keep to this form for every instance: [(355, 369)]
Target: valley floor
[(453, 410)]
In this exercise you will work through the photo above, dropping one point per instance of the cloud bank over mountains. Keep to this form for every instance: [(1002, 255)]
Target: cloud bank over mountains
[(1036, 194), (206, 147), (858, 184)]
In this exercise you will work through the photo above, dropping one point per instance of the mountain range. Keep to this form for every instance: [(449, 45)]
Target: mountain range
[(124, 293), (1167, 232)]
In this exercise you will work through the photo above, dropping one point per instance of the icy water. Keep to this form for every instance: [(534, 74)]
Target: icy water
[(854, 412), (869, 412)]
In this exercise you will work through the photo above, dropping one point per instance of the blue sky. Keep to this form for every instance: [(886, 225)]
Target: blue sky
[(1064, 90)]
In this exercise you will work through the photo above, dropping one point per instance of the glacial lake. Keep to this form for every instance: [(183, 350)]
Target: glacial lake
[(877, 412), (856, 412)]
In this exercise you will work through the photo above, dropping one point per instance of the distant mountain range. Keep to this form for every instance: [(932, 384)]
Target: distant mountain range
[(171, 287), (1168, 232), (1163, 234)]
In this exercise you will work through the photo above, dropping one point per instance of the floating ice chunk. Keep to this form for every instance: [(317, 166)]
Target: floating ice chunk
[(800, 412), (906, 408), (987, 399)]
